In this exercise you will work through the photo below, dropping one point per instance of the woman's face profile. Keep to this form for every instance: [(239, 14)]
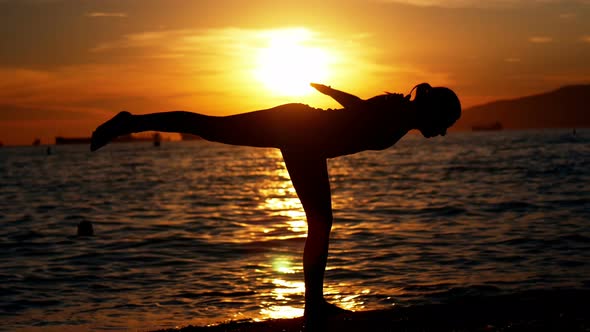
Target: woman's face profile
[(429, 130), (438, 110), (433, 122)]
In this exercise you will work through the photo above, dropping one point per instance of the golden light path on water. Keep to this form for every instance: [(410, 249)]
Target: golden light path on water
[(280, 199)]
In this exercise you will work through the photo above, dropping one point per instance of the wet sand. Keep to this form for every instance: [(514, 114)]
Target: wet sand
[(526, 312)]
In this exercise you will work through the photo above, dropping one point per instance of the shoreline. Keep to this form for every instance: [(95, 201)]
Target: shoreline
[(524, 312)]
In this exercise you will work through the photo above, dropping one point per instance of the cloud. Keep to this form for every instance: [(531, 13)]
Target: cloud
[(32, 1), (106, 14), (143, 39), (226, 58), (235, 50), (204, 46), (567, 16), (512, 60), (72, 88), (479, 3), (540, 39), (182, 68), (20, 113)]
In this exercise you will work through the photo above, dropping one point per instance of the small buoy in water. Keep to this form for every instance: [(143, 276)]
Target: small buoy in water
[(157, 139), (85, 228)]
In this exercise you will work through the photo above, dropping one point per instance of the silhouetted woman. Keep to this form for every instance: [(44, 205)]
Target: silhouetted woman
[(307, 137)]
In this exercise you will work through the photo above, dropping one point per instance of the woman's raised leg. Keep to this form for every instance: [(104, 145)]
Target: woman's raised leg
[(265, 128), (309, 175)]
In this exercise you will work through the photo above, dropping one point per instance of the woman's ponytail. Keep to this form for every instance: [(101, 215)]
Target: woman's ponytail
[(422, 90)]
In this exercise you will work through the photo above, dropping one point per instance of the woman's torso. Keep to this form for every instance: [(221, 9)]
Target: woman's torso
[(333, 133)]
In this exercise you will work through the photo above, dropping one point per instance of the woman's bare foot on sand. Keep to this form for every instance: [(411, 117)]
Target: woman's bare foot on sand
[(316, 317), (119, 125)]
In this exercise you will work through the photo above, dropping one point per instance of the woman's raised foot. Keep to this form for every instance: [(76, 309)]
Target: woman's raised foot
[(119, 125)]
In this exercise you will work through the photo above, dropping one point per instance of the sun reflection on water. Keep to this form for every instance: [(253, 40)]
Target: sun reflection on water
[(280, 202), (282, 294), (290, 208), (283, 265), (280, 198), (349, 302)]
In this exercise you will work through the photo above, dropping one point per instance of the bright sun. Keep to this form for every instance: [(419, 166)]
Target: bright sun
[(287, 65)]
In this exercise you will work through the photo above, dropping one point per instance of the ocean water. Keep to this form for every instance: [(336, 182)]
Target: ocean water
[(199, 232)]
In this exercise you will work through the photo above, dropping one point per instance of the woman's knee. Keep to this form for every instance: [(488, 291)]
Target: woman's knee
[(320, 221)]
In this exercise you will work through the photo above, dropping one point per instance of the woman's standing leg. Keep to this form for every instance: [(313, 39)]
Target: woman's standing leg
[(309, 175)]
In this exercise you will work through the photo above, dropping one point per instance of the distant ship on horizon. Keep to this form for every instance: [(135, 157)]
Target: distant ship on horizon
[(488, 127), (60, 140), (156, 138)]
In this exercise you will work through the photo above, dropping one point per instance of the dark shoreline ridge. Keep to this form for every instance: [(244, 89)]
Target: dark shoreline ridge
[(562, 108), (541, 310)]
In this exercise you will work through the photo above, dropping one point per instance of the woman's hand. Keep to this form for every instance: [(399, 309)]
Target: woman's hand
[(322, 88)]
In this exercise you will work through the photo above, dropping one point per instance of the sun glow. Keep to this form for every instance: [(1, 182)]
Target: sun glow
[(288, 63)]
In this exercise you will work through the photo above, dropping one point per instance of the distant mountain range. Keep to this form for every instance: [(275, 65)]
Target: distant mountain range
[(566, 107)]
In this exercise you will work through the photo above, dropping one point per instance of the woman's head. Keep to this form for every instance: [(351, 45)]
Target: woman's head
[(437, 108)]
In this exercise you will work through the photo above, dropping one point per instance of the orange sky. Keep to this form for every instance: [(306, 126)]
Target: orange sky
[(66, 66)]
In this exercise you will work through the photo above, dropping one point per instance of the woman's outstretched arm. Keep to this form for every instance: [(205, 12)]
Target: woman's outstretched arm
[(343, 98)]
